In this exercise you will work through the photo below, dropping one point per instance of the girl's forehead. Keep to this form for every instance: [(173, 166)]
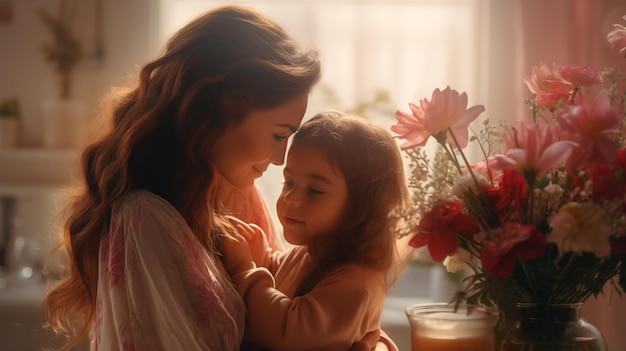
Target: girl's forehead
[(310, 157)]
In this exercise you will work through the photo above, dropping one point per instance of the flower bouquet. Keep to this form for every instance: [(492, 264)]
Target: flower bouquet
[(540, 216)]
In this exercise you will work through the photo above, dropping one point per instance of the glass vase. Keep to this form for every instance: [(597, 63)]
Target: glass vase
[(447, 327), (551, 328)]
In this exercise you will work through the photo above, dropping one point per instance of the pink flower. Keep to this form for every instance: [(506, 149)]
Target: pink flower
[(579, 75), (411, 127), (592, 124), (447, 110), (617, 39), (550, 100), (533, 147), (545, 80), (439, 227), (547, 86), (513, 241)]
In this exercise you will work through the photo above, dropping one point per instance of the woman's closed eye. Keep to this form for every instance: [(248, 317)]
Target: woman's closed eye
[(280, 138)]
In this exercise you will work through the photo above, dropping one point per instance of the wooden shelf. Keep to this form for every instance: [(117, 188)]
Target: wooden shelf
[(36, 168), (29, 189)]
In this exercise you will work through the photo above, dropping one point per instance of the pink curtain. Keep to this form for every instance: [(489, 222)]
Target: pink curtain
[(566, 32)]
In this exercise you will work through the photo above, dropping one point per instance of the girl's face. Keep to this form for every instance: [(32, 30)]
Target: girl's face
[(314, 196), (244, 152)]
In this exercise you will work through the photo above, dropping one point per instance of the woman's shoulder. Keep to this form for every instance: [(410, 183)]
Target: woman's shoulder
[(142, 203), (137, 199)]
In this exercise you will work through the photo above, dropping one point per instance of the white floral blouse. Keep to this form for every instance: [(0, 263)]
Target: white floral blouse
[(157, 286)]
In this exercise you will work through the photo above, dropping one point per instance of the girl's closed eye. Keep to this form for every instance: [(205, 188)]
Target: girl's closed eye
[(287, 184), (315, 192)]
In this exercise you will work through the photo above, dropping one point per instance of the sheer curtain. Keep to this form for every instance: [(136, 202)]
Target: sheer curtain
[(403, 48), (407, 48)]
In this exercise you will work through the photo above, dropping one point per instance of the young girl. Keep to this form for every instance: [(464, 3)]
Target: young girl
[(343, 177)]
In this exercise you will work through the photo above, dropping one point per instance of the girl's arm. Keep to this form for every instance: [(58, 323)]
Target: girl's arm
[(249, 206), (338, 313)]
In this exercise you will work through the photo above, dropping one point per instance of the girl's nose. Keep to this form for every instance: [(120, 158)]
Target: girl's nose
[(292, 198)]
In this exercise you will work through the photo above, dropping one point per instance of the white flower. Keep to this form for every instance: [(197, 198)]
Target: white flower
[(553, 193), (466, 181), (458, 261), (581, 228), (548, 200)]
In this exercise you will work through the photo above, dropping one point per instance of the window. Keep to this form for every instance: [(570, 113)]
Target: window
[(405, 48)]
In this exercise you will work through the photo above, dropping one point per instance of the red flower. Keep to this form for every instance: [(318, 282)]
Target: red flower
[(492, 194), (438, 229), (621, 158), (606, 182), (618, 246), (513, 241), (513, 190)]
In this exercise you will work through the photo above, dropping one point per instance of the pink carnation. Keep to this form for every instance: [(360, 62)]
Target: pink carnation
[(545, 80), (617, 39), (592, 123), (579, 75)]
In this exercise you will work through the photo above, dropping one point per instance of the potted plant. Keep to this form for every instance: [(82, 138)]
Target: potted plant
[(63, 116), (9, 120)]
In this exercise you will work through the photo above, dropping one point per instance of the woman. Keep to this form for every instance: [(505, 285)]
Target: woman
[(206, 117), (144, 272)]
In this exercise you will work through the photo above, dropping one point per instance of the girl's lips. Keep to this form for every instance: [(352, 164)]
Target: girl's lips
[(290, 220)]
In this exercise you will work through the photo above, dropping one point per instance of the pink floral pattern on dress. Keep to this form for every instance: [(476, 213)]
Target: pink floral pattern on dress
[(158, 288), (115, 254), (208, 302), (95, 336)]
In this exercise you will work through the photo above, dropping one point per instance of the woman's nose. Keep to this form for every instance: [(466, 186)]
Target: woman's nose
[(278, 154)]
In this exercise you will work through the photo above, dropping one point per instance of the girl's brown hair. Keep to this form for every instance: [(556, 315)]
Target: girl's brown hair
[(213, 72), (369, 159)]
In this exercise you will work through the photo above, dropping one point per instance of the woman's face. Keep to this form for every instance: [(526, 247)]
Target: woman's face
[(314, 197), (244, 152)]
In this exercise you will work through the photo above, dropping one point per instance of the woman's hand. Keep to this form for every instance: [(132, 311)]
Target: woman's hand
[(235, 249)]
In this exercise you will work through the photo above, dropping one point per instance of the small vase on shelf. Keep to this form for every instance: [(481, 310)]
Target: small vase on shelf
[(9, 123), (556, 327), (64, 123)]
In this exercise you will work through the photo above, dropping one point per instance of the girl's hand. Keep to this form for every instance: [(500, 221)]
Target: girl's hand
[(369, 342), (236, 254)]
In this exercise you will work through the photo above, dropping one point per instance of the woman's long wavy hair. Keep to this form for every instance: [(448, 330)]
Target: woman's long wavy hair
[(213, 72), (370, 161)]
